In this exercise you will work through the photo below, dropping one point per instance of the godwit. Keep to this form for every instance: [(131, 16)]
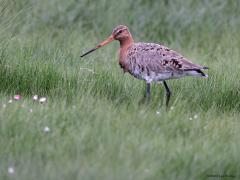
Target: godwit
[(149, 61)]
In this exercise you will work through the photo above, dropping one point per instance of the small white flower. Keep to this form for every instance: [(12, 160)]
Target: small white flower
[(30, 110), (4, 105), (11, 170), (10, 101), (171, 108), (46, 129), (35, 97), (190, 118), (157, 112), (42, 99), (17, 97), (195, 116)]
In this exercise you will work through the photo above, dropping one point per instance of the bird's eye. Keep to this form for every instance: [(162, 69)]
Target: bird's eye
[(119, 32)]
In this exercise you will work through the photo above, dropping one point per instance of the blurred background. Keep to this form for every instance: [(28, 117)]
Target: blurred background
[(165, 20), (98, 127)]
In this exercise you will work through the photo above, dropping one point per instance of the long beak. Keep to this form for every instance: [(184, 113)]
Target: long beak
[(108, 40)]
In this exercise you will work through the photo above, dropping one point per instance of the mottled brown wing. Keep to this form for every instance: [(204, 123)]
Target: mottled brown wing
[(159, 59)]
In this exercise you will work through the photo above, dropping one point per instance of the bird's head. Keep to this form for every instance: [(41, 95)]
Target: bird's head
[(120, 33)]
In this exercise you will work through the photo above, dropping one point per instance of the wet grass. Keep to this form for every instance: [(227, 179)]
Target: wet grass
[(99, 126)]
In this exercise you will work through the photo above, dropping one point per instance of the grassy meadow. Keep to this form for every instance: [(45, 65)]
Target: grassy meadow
[(99, 127)]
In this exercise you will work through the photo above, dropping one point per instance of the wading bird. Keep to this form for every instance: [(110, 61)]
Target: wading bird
[(149, 61)]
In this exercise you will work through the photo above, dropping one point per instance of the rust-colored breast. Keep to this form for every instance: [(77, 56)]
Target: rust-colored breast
[(123, 53)]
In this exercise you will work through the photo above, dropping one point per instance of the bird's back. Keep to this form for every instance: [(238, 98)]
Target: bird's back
[(155, 62)]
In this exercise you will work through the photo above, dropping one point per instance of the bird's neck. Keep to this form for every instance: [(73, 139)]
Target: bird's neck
[(124, 45), (126, 42)]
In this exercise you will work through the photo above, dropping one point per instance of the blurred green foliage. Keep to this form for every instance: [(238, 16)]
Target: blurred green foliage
[(99, 126)]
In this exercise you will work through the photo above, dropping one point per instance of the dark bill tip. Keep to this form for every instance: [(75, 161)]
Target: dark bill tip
[(88, 52)]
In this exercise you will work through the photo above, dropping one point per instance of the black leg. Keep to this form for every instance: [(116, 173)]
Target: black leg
[(148, 91), (168, 92)]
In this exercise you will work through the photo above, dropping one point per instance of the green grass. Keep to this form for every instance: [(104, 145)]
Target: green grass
[(99, 126)]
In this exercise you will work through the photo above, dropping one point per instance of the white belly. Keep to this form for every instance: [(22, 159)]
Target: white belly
[(153, 77)]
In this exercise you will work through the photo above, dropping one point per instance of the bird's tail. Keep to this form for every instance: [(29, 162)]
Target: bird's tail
[(196, 72)]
